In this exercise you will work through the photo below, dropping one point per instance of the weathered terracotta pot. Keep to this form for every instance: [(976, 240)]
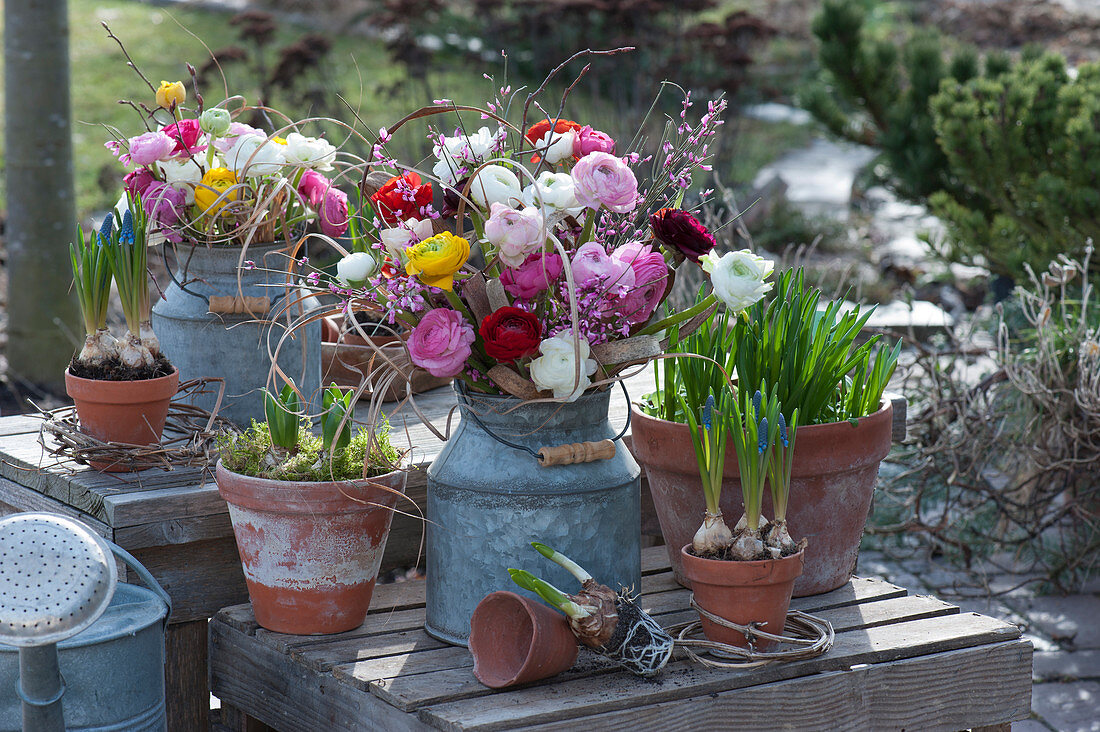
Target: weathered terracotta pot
[(516, 640), (310, 551), (347, 357), (131, 412), (833, 479), (742, 592)]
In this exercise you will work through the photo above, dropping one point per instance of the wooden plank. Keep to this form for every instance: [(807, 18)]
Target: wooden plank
[(946, 691), (201, 577), (362, 673), (267, 685), (682, 679), (238, 617), (162, 503), (380, 623), (15, 498), (398, 596), (654, 559), (402, 692), (187, 703), (323, 657), (19, 424), (174, 531)]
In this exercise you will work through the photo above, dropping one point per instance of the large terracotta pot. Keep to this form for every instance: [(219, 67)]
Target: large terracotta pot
[(310, 551), (516, 640), (742, 593), (131, 412), (833, 479)]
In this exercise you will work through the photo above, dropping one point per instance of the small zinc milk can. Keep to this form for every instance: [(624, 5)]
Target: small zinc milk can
[(487, 501)]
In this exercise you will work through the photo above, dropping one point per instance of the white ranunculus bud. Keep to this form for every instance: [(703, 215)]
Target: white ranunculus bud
[(495, 184), (354, 270), (254, 156), (556, 146), (309, 152), (182, 174), (411, 231), (555, 193), (215, 121), (556, 368), (738, 277)]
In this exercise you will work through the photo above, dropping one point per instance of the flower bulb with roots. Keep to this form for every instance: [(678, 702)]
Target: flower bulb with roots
[(98, 348), (713, 535), (149, 338), (132, 353)]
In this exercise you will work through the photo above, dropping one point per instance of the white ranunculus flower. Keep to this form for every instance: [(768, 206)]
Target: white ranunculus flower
[(310, 152), (261, 156), (495, 184), (738, 277), (556, 146), (412, 231), (468, 148), (354, 269), (556, 368), (449, 171), (556, 193), (183, 174)]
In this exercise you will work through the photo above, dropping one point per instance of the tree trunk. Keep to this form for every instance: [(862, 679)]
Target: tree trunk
[(42, 312)]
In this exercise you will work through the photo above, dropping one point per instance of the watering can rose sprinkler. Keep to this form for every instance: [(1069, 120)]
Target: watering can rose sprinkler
[(610, 623)]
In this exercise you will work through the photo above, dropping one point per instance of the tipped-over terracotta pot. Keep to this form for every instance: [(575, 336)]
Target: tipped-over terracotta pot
[(833, 478), (742, 592), (516, 640), (131, 412), (310, 550)]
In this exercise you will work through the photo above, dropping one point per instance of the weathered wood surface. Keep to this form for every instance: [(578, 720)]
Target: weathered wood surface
[(899, 661)]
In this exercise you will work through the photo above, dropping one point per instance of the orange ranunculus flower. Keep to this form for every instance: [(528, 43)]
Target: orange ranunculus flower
[(538, 130)]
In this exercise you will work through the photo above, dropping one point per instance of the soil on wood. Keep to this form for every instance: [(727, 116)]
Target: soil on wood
[(114, 370)]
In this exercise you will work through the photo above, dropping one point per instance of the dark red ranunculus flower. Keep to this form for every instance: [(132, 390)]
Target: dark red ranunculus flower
[(511, 333), (401, 198), (679, 230)]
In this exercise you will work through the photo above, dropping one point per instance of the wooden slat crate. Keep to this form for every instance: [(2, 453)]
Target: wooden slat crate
[(899, 662)]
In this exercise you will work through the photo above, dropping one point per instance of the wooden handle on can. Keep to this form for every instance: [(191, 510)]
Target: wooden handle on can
[(577, 452), (235, 304)]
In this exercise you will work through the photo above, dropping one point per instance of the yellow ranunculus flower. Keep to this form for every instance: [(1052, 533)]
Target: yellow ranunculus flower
[(214, 183), (437, 258), (171, 92)]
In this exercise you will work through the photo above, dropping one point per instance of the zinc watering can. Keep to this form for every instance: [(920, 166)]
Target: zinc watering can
[(78, 649)]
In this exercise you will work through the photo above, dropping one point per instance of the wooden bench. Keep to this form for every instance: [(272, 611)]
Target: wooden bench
[(899, 662)]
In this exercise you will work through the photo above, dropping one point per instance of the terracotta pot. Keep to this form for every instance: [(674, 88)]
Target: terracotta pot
[(516, 640), (346, 357), (742, 592), (833, 479), (131, 412), (310, 551)]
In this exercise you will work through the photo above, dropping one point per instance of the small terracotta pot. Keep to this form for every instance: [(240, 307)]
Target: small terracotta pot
[(310, 551), (833, 478), (131, 412), (742, 592), (516, 640), (346, 358)]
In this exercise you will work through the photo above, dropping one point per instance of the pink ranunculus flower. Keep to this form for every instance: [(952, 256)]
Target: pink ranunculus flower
[(333, 213), (590, 262), (136, 181), (164, 205), (236, 129), (147, 149), (650, 280), (589, 140), (533, 276), (330, 203), (440, 342), (601, 179), (186, 133), (515, 233)]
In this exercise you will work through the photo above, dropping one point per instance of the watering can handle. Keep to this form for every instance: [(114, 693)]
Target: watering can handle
[(144, 575), (577, 452)]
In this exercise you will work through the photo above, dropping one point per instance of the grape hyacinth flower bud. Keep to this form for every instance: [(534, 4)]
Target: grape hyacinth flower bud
[(762, 432)]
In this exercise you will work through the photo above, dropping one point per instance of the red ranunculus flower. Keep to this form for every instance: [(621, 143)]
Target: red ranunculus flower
[(679, 230), (186, 133), (511, 333), (401, 198)]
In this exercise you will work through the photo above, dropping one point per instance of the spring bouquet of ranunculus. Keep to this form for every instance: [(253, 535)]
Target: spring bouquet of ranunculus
[(204, 176), (530, 258)]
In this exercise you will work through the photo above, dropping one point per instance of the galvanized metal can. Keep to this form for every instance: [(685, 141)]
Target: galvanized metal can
[(488, 501), (113, 671), (234, 347)]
